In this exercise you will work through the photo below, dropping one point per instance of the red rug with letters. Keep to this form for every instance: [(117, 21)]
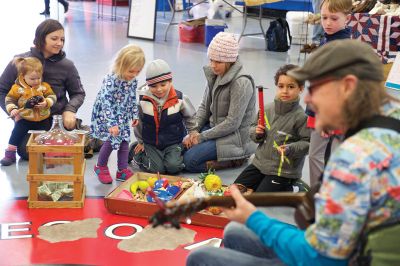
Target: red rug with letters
[(19, 244)]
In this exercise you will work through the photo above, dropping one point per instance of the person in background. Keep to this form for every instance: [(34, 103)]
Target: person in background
[(360, 190), (334, 17), (282, 142), (47, 6), (58, 71), (222, 139), (115, 110), (29, 101), (165, 115)]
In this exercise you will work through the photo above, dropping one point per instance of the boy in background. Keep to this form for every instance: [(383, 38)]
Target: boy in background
[(335, 15)]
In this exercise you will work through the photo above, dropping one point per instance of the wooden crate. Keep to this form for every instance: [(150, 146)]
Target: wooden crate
[(147, 209), (74, 155)]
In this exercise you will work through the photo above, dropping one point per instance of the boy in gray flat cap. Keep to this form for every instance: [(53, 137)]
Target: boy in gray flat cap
[(360, 189), (165, 117)]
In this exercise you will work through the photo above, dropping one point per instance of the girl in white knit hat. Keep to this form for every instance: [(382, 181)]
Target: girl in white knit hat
[(228, 107)]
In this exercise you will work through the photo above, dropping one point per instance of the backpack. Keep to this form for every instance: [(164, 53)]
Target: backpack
[(278, 36)]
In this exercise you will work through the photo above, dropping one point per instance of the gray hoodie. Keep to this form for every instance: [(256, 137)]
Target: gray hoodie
[(287, 122), (229, 106)]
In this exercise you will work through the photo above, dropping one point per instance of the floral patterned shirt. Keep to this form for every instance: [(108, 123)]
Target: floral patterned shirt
[(361, 188), (115, 105)]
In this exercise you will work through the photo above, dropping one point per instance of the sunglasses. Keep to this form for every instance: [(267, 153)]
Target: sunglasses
[(318, 83)]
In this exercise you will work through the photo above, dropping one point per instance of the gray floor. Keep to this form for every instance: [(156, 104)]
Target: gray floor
[(91, 44)]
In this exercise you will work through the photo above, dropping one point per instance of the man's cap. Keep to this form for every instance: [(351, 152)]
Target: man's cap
[(158, 71), (338, 59)]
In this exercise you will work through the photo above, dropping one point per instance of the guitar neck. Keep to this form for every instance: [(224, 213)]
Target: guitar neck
[(267, 199)]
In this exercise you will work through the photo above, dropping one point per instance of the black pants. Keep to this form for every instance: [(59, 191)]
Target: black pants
[(47, 4), (19, 136), (252, 178)]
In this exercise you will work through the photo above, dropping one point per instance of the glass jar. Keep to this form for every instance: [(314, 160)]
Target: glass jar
[(57, 135)]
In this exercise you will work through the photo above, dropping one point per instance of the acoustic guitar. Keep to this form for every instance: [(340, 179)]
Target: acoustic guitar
[(172, 212)]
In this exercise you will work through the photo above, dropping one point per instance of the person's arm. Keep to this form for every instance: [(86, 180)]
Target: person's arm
[(188, 112), (203, 111), (254, 136), (138, 129), (241, 92), (138, 132), (11, 100), (287, 241), (133, 110), (49, 95), (76, 93), (7, 80), (299, 149)]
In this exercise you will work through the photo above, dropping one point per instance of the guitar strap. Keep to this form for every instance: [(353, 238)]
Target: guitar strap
[(379, 121)]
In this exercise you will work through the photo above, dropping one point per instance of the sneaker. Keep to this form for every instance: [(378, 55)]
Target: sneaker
[(103, 174), (9, 158), (46, 13), (124, 175)]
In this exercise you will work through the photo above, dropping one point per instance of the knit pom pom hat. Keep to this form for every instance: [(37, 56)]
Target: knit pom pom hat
[(157, 71), (223, 48)]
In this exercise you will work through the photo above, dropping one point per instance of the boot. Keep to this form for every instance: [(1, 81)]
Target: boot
[(9, 158), (65, 5), (305, 48), (218, 165), (46, 13)]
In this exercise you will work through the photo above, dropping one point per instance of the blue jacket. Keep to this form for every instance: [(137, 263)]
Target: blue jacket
[(288, 242)]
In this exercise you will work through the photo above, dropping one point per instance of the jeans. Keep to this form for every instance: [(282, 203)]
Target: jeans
[(196, 157), (318, 31), (167, 161), (242, 248)]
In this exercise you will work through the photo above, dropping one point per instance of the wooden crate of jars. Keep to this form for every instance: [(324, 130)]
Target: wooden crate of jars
[(44, 156), (120, 202)]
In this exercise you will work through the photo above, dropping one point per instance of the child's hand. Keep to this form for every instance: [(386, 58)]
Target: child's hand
[(114, 131), (283, 149), (139, 148), (14, 113), (186, 142), (135, 123), (260, 130), (41, 105), (324, 134)]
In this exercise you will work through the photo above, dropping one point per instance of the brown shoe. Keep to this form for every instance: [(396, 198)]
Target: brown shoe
[(305, 48), (218, 165), (313, 47)]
